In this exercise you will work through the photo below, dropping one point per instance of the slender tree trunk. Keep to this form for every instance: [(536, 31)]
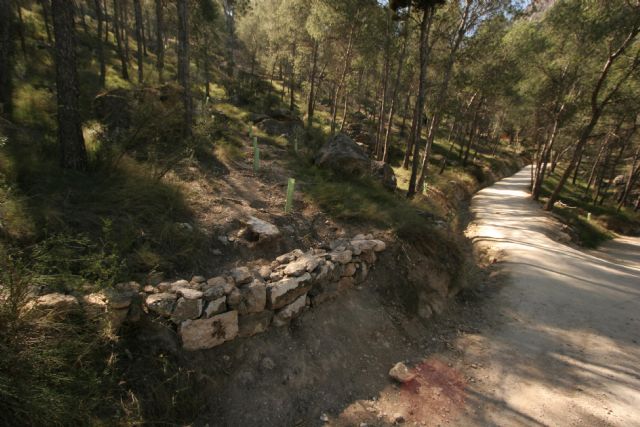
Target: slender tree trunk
[(119, 45), (20, 27), (546, 152), (72, 150), (425, 28), (159, 40), (137, 9), (472, 132), (394, 96), (343, 74), (124, 21), (101, 58), (442, 93), (7, 21), (312, 83), (344, 111), (44, 5), (105, 7), (292, 80), (183, 64), (629, 184), (596, 163)]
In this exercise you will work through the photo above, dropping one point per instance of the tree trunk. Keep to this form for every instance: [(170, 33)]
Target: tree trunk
[(312, 83), (73, 154), (183, 64), (119, 45), (472, 132), (442, 93), (159, 40), (44, 5), (7, 20), (394, 96), (137, 8), (292, 80), (629, 183), (20, 27), (425, 28), (101, 58), (124, 21), (343, 74)]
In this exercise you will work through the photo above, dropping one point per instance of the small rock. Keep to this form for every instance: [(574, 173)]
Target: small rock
[(186, 309), (256, 323), (305, 263), (149, 289), (128, 287), (207, 333), (288, 257), (342, 257), (401, 373), (253, 298), (265, 272), (189, 293), (349, 270), (198, 279), (261, 230), (290, 312), (161, 303), (286, 291), (57, 302), (241, 275), (235, 297), (164, 287), (398, 419), (267, 364), (216, 306), (324, 418)]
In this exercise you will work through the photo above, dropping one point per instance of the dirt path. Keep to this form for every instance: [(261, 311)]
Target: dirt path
[(565, 346)]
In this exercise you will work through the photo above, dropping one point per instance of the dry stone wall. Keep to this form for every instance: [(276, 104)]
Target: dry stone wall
[(243, 302)]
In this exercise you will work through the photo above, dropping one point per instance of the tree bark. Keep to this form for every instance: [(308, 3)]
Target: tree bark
[(425, 28), (442, 92), (183, 64), (343, 74), (7, 21), (394, 96), (312, 83), (159, 40), (44, 5), (119, 44), (73, 154), (101, 58), (137, 8)]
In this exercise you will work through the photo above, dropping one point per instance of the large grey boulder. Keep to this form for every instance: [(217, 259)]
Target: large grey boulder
[(342, 155)]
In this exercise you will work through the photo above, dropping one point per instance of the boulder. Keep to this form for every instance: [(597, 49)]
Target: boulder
[(401, 373), (290, 312), (186, 309), (207, 333), (241, 275), (255, 323), (344, 156), (287, 290), (264, 272), (385, 174), (216, 307), (161, 304)]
